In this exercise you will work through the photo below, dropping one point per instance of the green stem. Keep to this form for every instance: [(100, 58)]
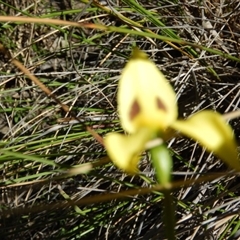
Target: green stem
[(169, 215), (162, 162)]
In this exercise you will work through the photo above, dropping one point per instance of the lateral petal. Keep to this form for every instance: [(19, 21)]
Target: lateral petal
[(124, 150), (212, 132)]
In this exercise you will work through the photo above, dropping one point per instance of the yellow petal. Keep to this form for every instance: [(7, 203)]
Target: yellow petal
[(210, 130), (145, 97), (124, 150)]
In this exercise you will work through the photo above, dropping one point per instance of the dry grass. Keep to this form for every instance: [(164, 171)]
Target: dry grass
[(81, 67)]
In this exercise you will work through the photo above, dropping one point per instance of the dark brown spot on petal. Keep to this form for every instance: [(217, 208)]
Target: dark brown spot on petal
[(135, 109), (160, 105)]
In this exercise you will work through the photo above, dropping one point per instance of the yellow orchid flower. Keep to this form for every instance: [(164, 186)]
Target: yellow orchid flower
[(147, 106)]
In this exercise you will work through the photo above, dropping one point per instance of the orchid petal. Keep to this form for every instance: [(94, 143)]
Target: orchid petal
[(212, 132), (145, 97), (124, 150)]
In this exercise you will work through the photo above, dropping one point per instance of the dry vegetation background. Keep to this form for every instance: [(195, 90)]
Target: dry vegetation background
[(42, 146)]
